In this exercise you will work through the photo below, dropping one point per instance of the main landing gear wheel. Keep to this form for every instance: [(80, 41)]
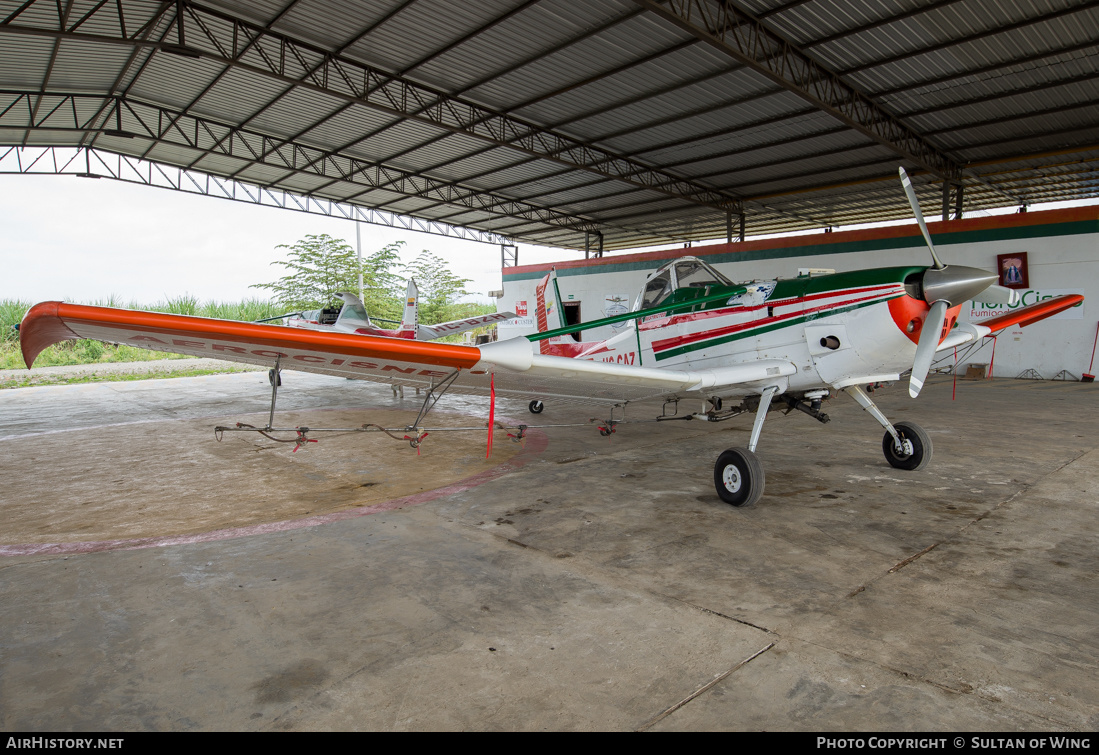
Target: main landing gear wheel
[(536, 407), (917, 453), (738, 477)]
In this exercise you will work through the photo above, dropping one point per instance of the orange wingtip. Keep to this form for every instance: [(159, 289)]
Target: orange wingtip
[(1033, 313), (40, 329)]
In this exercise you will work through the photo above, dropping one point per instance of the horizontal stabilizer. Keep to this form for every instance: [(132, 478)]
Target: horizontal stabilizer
[(431, 332)]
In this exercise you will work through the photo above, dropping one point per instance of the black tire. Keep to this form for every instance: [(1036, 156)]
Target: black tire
[(921, 447), (738, 477), (536, 407)]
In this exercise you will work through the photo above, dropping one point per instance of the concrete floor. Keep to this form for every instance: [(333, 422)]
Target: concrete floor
[(598, 585)]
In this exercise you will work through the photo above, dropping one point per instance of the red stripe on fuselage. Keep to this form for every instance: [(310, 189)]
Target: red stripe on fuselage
[(677, 341), (695, 316)]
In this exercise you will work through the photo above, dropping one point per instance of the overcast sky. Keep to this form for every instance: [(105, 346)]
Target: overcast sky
[(83, 240)]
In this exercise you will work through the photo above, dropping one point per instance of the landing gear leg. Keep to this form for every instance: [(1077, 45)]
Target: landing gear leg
[(906, 445), (738, 474), (275, 376)]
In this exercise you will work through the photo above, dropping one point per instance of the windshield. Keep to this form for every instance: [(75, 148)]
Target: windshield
[(685, 272), (697, 274), (656, 290)]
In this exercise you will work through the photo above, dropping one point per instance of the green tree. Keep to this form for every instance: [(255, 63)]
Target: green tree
[(319, 267), (383, 295), (439, 288)]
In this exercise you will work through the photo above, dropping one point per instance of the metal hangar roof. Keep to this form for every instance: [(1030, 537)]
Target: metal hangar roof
[(574, 123)]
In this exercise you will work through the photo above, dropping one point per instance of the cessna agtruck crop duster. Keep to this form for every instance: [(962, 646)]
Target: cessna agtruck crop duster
[(695, 334)]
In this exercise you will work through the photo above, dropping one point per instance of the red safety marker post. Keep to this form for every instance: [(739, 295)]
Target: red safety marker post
[(954, 391), (491, 411)]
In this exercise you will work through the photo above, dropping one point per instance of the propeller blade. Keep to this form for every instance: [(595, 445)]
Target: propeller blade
[(919, 217), (998, 295), (925, 349)]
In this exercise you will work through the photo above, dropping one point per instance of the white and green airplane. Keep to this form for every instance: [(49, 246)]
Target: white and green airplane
[(694, 334)]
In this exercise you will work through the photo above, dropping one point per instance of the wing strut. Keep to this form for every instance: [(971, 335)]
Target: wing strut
[(275, 376), (434, 393)]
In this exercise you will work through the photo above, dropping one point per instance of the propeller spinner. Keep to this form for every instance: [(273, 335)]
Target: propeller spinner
[(943, 286)]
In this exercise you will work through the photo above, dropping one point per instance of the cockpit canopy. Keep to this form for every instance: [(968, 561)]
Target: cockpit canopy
[(685, 272)]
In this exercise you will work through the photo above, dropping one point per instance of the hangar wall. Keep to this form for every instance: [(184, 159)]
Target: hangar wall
[(1062, 249)]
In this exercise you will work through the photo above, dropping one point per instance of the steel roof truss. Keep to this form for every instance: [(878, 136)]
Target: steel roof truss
[(744, 38), (301, 64)]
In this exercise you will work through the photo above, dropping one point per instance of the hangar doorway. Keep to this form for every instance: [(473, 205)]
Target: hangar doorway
[(571, 311)]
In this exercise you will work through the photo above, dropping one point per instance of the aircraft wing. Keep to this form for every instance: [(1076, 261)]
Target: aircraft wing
[(1032, 314), (966, 332), (517, 370)]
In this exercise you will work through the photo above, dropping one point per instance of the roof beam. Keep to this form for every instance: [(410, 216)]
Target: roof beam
[(537, 56), (95, 163), (528, 102), (216, 36), (214, 81), (1022, 24), (355, 39), (744, 38), (147, 121)]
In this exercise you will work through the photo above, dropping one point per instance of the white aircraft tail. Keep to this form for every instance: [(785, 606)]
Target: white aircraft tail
[(550, 314), (410, 320)]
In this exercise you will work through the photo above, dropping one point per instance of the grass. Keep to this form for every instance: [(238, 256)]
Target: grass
[(36, 380), (95, 352)]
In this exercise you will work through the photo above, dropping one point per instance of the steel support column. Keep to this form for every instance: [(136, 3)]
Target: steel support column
[(588, 252), (952, 194)]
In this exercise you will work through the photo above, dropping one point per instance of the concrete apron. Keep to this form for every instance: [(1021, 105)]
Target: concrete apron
[(599, 585)]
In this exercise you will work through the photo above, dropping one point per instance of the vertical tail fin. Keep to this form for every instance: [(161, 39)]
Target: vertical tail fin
[(410, 320), (549, 313)]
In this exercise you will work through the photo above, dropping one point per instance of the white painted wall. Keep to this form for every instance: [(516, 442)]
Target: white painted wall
[(1063, 263)]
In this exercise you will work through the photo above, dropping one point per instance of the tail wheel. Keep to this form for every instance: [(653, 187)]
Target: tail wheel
[(536, 407), (917, 447), (738, 477)]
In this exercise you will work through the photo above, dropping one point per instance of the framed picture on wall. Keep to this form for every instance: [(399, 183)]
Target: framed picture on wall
[(1013, 270)]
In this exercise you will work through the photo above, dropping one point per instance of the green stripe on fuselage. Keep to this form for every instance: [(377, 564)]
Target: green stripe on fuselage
[(765, 328), (822, 284), (717, 297)]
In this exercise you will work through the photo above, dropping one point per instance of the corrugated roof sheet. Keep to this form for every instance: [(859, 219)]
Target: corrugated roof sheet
[(605, 115)]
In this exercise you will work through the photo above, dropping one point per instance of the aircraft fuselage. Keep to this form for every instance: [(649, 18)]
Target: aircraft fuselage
[(835, 329)]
